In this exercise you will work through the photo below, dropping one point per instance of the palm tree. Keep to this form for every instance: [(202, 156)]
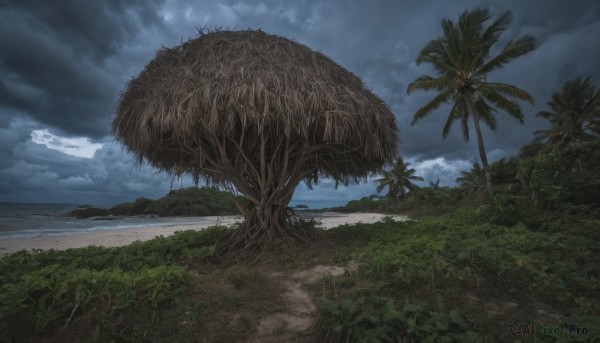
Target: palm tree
[(462, 60), (434, 194), (472, 183), (398, 180), (575, 116)]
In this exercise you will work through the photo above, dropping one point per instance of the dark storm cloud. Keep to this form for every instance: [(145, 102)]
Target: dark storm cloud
[(63, 64), (56, 67), (48, 174)]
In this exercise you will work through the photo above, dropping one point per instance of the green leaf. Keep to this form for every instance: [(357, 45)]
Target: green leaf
[(441, 322), (411, 324), (413, 307), (457, 318)]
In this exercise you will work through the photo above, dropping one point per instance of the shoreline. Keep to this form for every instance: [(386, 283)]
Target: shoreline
[(120, 236)]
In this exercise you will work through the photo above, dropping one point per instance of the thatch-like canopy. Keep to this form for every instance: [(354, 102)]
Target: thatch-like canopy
[(258, 112), (223, 90)]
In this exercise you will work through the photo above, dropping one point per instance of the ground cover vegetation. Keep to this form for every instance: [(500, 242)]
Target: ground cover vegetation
[(453, 277)]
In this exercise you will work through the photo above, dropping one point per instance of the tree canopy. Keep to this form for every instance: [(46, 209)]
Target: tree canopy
[(575, 115), (257, 113), (398, 180)]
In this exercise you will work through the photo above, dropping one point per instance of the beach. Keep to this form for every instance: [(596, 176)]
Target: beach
[(124, 236)]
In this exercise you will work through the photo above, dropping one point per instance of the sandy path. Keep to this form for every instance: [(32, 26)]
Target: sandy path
[(300, 311), (119, 237)]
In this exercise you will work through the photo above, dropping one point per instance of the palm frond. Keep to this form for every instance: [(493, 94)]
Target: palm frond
[(511, 51), (457, 112), (503, 103), (485, 113), (427, 83), (575, 115), (431, 106), (546, 114), (435, 53), (492, 33), (452, 35), (510, 90)]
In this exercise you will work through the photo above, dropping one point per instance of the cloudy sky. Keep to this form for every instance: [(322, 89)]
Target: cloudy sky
[(64, 62)]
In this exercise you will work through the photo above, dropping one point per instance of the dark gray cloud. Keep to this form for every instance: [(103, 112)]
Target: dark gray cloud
[(63, 64), (56, 62)]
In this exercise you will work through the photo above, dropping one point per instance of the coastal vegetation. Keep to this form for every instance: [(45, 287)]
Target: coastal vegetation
[(193, 201), (454, 277)]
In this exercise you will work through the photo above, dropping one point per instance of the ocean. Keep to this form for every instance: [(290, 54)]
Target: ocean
[(31, 220)]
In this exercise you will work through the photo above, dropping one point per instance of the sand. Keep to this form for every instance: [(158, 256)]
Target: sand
[(120, 237)]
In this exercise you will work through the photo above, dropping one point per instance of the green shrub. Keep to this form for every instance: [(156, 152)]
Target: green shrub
[(377, 319), (49, 289)]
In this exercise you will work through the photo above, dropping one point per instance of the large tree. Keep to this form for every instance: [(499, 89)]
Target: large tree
[(398, 180), (257, 113), (462, 58), (575, 115)]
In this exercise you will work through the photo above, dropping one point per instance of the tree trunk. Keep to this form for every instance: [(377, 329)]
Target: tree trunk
[(268, 184), (261, 227), (265, 226), (482, 154)]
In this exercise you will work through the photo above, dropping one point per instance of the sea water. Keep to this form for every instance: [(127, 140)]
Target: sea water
[(31, 220)]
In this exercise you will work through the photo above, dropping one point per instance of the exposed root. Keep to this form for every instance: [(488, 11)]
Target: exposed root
[(258, 236)]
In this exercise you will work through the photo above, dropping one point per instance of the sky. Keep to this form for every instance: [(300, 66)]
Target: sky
[(64, 63)]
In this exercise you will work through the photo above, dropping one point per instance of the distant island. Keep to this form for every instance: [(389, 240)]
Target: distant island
[(187, 202), (194, 201)]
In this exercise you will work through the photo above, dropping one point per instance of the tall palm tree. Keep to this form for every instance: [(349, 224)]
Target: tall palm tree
[(398, 180), (472, 183), (463, 61), (575, 115)]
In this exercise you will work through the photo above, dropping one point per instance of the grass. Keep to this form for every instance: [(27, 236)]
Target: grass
[(449, 278)]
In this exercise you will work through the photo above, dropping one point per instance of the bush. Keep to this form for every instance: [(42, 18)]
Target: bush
[(49, 289), (378, 319)]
